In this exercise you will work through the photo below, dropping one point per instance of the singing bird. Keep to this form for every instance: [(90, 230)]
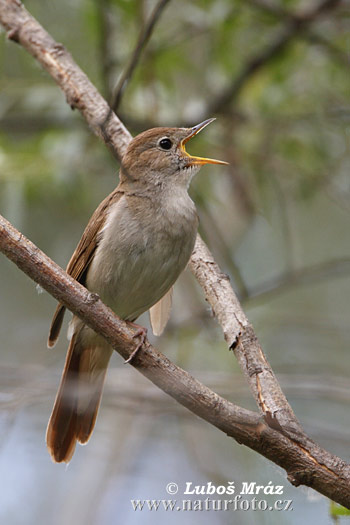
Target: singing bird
[(135, 246)]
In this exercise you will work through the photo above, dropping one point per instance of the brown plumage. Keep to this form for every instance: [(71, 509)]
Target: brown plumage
[(81, 258), (134, 247), (66, 425), (78, 398)]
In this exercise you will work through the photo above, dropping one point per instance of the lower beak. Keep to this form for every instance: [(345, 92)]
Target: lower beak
[(199, 160)]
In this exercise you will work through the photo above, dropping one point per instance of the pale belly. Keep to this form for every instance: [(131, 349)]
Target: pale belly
[(131, 271)]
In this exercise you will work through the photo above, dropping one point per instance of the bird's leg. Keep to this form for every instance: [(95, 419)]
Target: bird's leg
[(142, 334)]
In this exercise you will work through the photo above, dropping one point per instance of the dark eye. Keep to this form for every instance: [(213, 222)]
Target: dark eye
[(165, 143)]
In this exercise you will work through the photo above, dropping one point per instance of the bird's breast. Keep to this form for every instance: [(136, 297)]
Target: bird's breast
[(144, 246)]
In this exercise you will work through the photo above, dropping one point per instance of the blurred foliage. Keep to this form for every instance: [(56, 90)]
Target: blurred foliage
[(290, 119), (338, 510)]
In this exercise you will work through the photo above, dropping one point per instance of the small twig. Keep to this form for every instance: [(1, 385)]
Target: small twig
[(309, 275), (224, 249), (284, 14), (285, 223), (294, 25), (104, 35), (334, 51), (142, 41)]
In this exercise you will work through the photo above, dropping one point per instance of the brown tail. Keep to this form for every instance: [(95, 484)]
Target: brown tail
[(74, 413), (56, 325)]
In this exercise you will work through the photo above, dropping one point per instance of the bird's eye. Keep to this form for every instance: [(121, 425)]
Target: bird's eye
[(165, 143)]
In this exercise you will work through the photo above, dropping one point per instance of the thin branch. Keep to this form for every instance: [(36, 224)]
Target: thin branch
[(142, 41), (284, 14), (333, 50), (305, 463), (224, 249), (294, 26), (309, 275), (105, 31), (240, 336)]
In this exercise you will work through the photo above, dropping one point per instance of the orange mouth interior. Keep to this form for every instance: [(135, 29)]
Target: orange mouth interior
[(199, 160)]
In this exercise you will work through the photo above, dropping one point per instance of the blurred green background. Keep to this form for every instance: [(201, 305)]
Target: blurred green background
[(277, 220)]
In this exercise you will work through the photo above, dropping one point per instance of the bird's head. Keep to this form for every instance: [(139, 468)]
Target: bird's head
[(158, 156)]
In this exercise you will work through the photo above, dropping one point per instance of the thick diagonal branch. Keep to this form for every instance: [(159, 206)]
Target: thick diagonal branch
[(278, 437), (305, 463)]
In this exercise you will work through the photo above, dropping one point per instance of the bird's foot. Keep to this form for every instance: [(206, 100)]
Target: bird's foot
[(142, 334)]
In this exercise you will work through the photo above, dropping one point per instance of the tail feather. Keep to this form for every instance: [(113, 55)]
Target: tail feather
[(78, 399), (93, 367), (87, 421), (56, 325)]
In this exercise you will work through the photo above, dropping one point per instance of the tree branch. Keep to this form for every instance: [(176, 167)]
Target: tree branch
[(295, 25), (284, 14), (279, 436), (305, 463), (308, 275), (142, 41), (105, 32), (240, 336)]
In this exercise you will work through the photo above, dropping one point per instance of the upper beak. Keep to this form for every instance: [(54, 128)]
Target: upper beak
[(199, 160)]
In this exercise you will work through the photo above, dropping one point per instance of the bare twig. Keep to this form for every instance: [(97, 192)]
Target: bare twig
[(103, 8), (333, 50), (306, 463), (282, 13), (229, 261), (309, 275), (142, 41), (294, 26)]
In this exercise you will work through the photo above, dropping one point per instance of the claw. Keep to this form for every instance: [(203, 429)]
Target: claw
[(142, 334)]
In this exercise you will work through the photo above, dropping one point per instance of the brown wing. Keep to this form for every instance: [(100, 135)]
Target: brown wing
[(82, 256)]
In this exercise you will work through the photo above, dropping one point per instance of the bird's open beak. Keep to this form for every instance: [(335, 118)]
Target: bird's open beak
[(198, 160)]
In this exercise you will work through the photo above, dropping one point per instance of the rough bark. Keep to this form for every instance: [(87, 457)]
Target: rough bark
[(305, 463), (276, 434)]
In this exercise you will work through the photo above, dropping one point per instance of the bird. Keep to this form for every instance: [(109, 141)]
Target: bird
[(133, 249)]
